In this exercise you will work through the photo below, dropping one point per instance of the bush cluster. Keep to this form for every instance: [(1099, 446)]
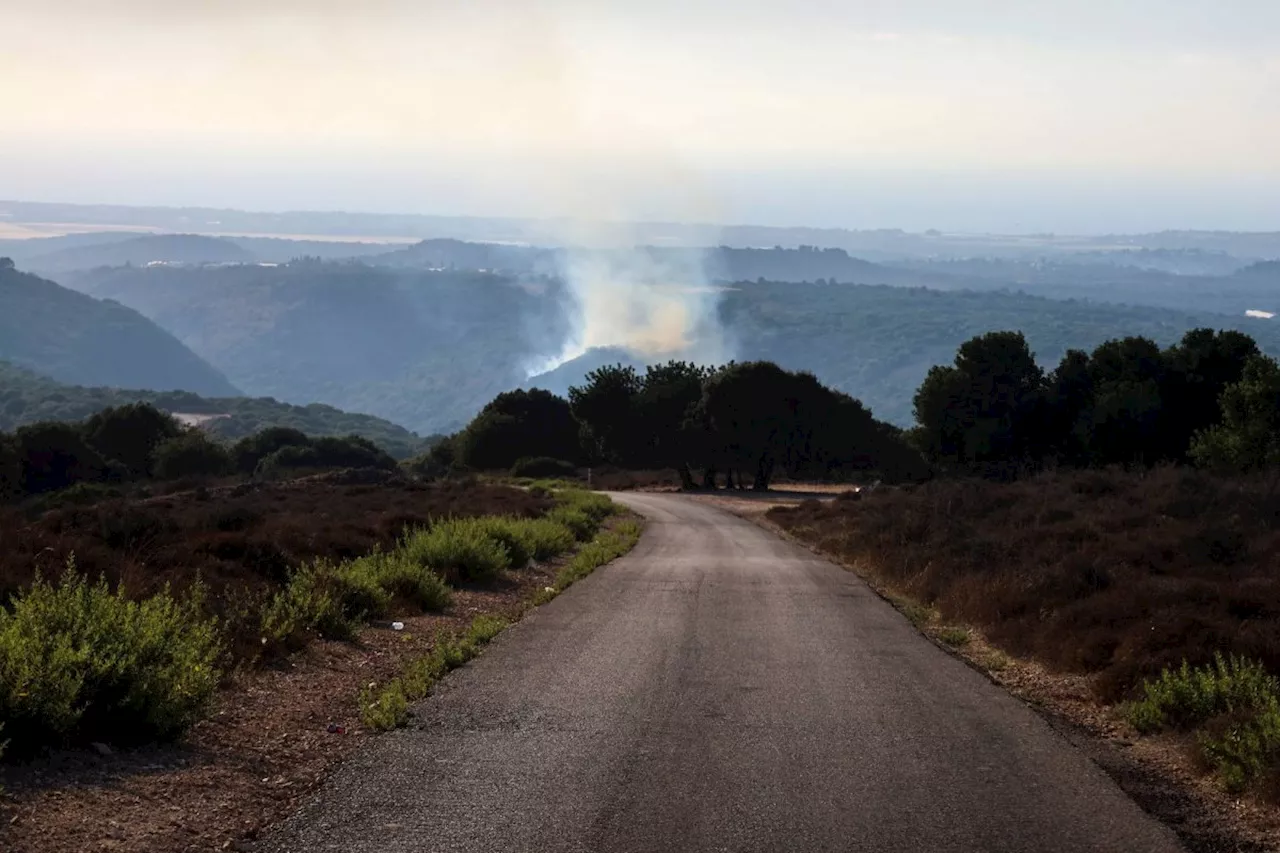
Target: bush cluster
[(80, 662), (138, 442), (1233, 704)]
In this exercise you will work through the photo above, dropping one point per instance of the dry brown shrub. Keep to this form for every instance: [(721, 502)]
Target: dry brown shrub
[(1113, 573)]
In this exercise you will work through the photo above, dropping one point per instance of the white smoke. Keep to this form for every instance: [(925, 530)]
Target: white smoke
[(657, 304)]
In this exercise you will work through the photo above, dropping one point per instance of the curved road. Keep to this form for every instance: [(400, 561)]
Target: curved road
[(719, 689)]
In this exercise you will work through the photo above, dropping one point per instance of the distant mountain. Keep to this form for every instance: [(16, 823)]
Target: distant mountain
[(419, 348), (427, 349), (22, 250), (457, 254), (140, 251), (720, 263), (75, 338), (30, 397)]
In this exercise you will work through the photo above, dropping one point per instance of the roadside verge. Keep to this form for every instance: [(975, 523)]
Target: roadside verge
[(274, 733)]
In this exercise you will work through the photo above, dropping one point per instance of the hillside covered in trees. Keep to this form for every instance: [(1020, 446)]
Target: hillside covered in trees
[(423, 349), (427, 348), (78, 339), (27, 398)]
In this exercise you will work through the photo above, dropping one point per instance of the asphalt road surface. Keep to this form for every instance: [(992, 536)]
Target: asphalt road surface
[(719, 689)]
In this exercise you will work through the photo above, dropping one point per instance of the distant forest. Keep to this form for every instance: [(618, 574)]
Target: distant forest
[(28, 398), (427, 348)]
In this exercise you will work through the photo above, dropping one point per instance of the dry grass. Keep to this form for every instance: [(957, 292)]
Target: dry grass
[(1112, 574), (243, 539)]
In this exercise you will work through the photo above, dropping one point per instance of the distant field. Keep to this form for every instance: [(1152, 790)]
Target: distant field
[(34, 230)]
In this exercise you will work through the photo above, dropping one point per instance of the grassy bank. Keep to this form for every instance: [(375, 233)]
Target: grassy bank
[(387, 706), (1120, 577)]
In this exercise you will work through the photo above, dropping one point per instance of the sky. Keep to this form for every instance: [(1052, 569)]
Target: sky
[(1071, 116)]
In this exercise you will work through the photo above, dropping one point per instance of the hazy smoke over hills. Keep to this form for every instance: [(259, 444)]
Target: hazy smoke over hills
[(657, 306)]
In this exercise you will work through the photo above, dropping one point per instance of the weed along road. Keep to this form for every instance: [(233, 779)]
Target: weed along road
[(719, 689)]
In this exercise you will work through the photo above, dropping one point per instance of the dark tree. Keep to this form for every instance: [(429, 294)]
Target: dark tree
[(351, 451), (10, 468), (1248, 437), (1125, 420), (1199, 370), (517, 425), (606, 408), (984, 412), (55, 456), (251, 450), (128, 435), (437, 462), (1068, 400), (192, 454), (668, 396)]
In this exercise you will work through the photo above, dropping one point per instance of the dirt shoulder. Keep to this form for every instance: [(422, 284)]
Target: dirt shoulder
[(272, 737), (1159, 773)]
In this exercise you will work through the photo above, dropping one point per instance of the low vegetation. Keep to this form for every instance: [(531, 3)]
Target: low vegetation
[(80, 662), (136, 443), (1158, 584), (387, 707), (29, 398), (1233, 705), (156, 598)]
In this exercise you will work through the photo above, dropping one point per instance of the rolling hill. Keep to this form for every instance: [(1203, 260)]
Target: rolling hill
[(75, 338), (428, 348), (878, 342), (425, 349), (140, 251), (26, 397)]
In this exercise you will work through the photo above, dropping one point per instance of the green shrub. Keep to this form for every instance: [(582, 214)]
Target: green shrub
[(582, 525), (484, 628), (606, 547), (321, 598), (1245, 749), (1186, 697), (402, 578), (543, 466), (81, 663), (385, 709), (459, 547), (597, 506), (509, 533), (548, 486), (546, 538), (528, 539)]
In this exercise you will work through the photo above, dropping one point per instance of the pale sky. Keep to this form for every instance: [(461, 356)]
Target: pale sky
[(1067, 115)]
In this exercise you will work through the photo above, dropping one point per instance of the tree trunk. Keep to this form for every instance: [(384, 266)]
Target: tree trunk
[(709, 478), (686, 477), (728, 479), (763, 472)]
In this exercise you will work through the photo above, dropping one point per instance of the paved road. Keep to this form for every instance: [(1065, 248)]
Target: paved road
[(719, 690)]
